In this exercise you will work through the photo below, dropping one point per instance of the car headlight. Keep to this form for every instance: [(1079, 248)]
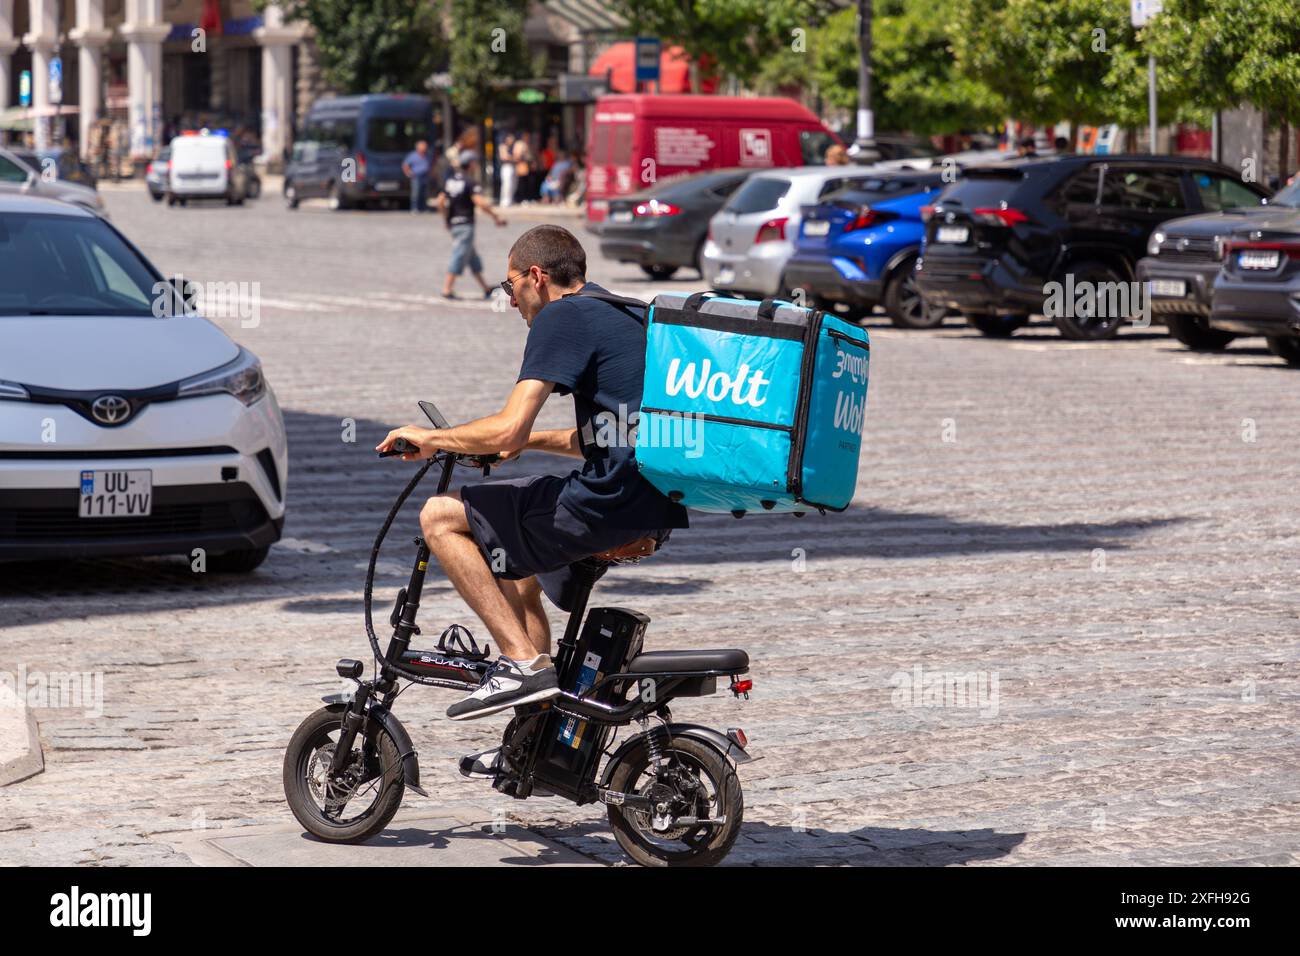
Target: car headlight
[(1154, 243), (13, 391), (241, 378)]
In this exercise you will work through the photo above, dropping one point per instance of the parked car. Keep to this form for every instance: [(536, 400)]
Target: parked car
[(168, 436), (858, 248), (17, 176), (662, 229), (752, 236), (205, 166), (351, 148), (676, 135), (157, 173), (999, 235), (1184, 257), (1258, 290), (63, 164)]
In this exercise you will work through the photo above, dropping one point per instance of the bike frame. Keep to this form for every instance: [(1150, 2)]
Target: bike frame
[(373, 700)]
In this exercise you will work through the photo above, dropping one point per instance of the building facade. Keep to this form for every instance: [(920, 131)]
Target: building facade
[(140, 70)]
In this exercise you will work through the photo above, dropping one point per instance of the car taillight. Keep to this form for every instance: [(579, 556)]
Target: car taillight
[(1290, 249), (868, 217), (709, 235), (655, 208), (772, 229), (361, 166), (927, 212), (229, 164), (149, 170), (1000, 216)]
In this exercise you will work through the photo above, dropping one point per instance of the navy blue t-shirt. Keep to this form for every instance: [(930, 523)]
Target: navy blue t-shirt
[(596, 352)]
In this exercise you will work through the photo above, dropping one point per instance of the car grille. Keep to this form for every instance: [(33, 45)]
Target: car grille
[(1188, 250), (53, 515)]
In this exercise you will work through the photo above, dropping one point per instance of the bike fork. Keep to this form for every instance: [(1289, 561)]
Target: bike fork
[(353, 722)]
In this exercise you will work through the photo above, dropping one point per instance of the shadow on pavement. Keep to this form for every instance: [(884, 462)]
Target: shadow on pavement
[(761, 844)]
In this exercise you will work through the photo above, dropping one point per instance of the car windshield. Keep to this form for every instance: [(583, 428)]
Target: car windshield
[(1288, 195), (70, 265), (759, 194)]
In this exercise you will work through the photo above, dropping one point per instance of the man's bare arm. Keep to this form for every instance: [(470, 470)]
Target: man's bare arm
[(509, 430), (562, 441)]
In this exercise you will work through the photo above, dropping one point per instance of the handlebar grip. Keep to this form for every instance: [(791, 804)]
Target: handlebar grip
[(399, 447)]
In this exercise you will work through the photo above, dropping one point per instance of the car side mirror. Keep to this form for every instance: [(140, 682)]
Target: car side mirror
[(31, 182)]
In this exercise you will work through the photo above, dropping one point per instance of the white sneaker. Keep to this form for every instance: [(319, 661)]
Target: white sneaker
[(503, 687)]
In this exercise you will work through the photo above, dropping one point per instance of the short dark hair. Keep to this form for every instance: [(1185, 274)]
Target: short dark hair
[(554, 250)]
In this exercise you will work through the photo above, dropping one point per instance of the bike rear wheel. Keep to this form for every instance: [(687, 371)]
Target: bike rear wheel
[(356, 807), (694, 780)]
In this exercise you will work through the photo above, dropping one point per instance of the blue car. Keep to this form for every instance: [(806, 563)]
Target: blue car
[(857, 249)]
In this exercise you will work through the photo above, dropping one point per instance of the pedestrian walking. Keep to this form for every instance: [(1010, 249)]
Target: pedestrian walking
[(458, 198), (509, 177), (416, 166)]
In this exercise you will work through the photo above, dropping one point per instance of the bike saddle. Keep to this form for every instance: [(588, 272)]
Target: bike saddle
[(459, 641)]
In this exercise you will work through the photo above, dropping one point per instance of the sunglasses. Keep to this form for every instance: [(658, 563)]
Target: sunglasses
[(508, 285)]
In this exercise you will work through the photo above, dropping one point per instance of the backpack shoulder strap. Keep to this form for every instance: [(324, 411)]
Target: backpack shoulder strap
[(626, 303)]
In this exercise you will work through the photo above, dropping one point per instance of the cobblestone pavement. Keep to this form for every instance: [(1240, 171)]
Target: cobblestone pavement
[(1105, 536)]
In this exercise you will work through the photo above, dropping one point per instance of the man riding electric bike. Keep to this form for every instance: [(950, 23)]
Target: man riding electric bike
[(503, 543)]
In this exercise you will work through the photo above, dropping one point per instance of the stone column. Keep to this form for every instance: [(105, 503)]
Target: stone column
[(42, 40), (277, 42), (90, 37), (144, 32), (8, 45)]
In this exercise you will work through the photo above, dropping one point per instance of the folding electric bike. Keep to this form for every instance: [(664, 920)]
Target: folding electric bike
[(670, 791)]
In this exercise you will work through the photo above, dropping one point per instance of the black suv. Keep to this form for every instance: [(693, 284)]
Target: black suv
[(998, 236)]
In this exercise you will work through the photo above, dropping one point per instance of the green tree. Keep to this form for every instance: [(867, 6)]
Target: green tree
[(487, 49), (1074, 59), (1221, 53), (373, 46)]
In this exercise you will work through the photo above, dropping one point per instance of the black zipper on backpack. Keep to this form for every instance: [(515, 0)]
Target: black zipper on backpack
[(794, 473)]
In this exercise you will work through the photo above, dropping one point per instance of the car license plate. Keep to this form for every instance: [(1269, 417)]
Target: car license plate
[(818, 227), (1259, 260), (116, 494), (386, 186), (725, 277), (621, 215), (1170, 288), (952, 234)]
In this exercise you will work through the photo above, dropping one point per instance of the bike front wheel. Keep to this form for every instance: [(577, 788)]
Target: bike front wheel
[(356, 804)]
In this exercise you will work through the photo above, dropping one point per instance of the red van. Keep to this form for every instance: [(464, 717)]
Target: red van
[(638, 139)]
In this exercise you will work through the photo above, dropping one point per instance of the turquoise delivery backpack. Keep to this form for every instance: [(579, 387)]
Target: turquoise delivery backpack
[(751, 406)]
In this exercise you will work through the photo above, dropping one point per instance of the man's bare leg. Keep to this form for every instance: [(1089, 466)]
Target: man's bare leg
[(525, 598), (447, 532)]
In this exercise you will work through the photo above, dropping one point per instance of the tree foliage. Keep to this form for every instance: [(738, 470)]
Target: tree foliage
[(487, 49), (373, 46)]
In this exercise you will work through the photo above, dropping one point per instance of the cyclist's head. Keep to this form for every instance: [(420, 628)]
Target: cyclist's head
[(545, 263)]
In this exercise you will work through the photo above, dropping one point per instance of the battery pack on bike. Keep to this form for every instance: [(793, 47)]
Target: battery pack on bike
[(610, 637)]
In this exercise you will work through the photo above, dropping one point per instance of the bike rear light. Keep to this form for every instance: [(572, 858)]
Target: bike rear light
[(772, 229), (737, 737), (656, 208), (1000, 216), (739, 687)]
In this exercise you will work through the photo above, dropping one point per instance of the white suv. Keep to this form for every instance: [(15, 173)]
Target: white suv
[(127, 425)]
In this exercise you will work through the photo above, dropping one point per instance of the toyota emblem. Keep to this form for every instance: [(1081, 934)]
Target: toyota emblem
[(111, 409)]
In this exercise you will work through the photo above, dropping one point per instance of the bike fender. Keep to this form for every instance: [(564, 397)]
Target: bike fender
[(402, 740), (719, 741)]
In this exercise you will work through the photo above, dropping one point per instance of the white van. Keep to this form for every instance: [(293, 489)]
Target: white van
[(205, 166)]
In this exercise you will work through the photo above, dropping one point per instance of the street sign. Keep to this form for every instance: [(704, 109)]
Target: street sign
[(56, 80), (1142, 11), (647, 59), (25, 88)]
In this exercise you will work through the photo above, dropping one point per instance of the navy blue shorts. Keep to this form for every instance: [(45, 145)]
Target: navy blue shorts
[(522, 530)]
